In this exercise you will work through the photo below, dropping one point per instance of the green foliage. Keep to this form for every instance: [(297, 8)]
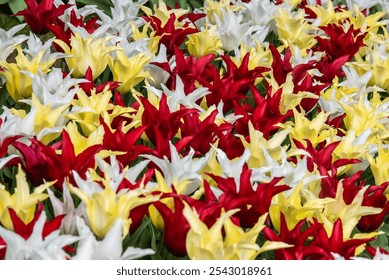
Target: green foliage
[(104, 5), (7, 22), (17, 5), (191, 4), (381, 240)]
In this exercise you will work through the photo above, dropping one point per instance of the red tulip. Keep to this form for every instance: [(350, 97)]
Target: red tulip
[(252, 202), (297, 237), (40, 17), (43, 163)]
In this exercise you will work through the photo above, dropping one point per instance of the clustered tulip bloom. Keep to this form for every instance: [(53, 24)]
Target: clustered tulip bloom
[(244, 129)]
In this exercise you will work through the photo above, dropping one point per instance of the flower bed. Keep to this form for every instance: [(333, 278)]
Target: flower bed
[(237, 130)]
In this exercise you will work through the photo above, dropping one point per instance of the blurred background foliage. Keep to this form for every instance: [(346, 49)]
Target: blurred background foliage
[(9, 7)]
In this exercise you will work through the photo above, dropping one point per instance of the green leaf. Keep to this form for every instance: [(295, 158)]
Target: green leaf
[(380, 241), (134, 238), (196, 3), (17, 6), (385, 229), (7, 22), (2, 2), (191, 4), (104, 5)]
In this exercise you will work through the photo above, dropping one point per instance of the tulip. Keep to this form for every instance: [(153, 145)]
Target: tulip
[(36, 57), (203, 243), (85, 52), (204, 42), (40, 16), (104, 207), (129, 71), (21, 201)]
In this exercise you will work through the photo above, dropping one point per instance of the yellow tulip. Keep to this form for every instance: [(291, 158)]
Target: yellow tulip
[(87, 52), (204, 42), (47, 117), (213, 8), (21, 201), (294, 29), (350, 214), (257, 142), (302, 128), (352, 147), (91, 107), (301, 204), (327, 15), (364, 115), (19, 84), (332, 94), (104, 207), (129, 71), (260, 56), (203, 243), (289, 98), (162, 12), (81, 142)]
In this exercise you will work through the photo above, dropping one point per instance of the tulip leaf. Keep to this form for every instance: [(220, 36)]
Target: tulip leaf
[(191, 4), (2, 2), (104, 5), (385, 229), (132, 240), (17, 5), (368, 177), (381, 241), (7, 22)]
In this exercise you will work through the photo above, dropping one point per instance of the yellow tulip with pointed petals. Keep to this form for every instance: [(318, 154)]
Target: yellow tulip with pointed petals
[(328, 14), (260, 56), (203, 243), (294, 29), (47, 117), (103, 208), (21, 201), (299, 205), (289, 98), (352, 147), (162, 12), (302, 128), (258, 141), (204, 42), (364, 115), (129, 71), (91, 108), (18, 84), (336, 92), (87, 52), (350, 214), (81, 142), (213, 8)]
